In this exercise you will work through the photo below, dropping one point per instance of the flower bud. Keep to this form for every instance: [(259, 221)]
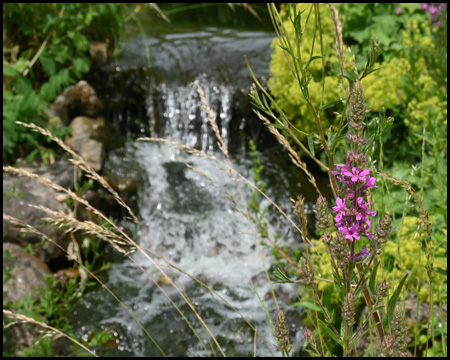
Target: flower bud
[(383, 230), (322, 213), (281, 328), (357, 108), (349, 309), (382, 289)]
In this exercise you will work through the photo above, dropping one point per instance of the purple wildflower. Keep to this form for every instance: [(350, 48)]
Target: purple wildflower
[(340, 205), (351, 233), (435, 10), (398, 11), (361, 255), (356, 174)]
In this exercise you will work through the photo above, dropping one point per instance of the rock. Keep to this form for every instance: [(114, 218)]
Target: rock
[(76, 100), (68, 273), (90, 150), (26, 272), (92, 128), (61, 172), (89, 139), (20, 337), (89, 102), (121, 182), (18, 192), (98, 52)]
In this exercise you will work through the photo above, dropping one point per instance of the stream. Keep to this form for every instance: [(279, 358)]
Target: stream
[(188, 216)]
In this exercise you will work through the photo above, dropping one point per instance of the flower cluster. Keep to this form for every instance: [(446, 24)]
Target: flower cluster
[(351, 210), (435, 10)]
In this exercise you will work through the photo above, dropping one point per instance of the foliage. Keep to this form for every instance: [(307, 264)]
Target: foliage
[(413, 68), (285, 88), (58, 300), (45, 49), (351, 270), (385, 21)]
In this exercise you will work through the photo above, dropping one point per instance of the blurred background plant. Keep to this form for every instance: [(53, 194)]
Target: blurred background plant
[(45, 48)]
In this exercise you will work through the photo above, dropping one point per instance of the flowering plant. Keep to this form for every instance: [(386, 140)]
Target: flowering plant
[(354, 271)]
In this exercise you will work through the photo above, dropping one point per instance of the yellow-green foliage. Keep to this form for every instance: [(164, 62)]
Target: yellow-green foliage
[(400, 256), (405, 254), (283, 85), (404, 84), (406, 81)]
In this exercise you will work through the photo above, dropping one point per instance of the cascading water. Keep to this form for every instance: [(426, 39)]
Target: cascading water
[(189, 220), (179, 117)]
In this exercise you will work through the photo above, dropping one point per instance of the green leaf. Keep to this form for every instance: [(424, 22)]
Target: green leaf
[(310, 61), (373, 70), (278, 126), (311, 144), (330, 332), (393, 302), (351, 77), (373, 276), (30, 156), (328, 104), (308, 305), (440, 271), (361, 286), (80, 65), (286, 49), (340, 289), (8, 70), (369, 349), (362, 334), (48, 64)]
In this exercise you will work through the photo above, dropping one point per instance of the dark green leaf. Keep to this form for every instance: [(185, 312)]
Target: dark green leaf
[(330, 332), (351, 77), (311, 144), (440, 271), (393, 302), (48, 64), (310, 61), (285, 49), (360, 288), (328, 104), (373, 276)]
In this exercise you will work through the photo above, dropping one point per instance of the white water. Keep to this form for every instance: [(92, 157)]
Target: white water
[(192, 224)]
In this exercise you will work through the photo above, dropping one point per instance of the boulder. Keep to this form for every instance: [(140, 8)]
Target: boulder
[(98, 52), (89, 102), (76, 100), (18, 192), (61, 172), (25, 274), (89, 139)]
